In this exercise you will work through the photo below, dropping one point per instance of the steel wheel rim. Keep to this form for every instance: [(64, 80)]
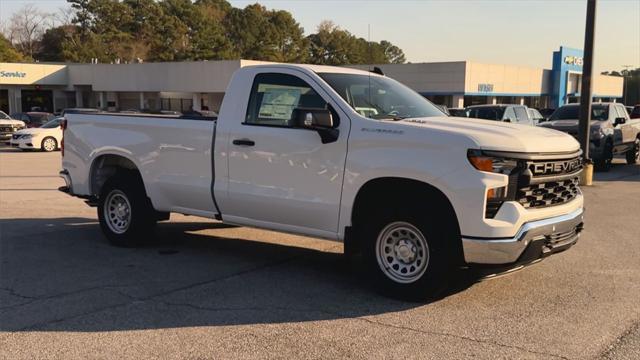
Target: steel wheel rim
[(49, 145), (117, 212), (402, 252)]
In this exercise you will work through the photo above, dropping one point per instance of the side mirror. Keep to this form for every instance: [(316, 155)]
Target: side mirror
[(508, 120), (312, 118), (320, 120), (619, 121)]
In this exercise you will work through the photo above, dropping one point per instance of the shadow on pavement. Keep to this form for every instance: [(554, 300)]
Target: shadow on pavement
[(620, 171), (61, 275)]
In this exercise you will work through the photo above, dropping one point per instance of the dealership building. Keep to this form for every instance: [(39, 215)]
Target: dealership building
[(182, 86)]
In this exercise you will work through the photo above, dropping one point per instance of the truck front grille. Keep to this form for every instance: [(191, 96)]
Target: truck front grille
[(548, 193)]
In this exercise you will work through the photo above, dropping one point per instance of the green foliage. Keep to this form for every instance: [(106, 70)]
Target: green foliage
[(176, 30), (8, 53), (331, 45)]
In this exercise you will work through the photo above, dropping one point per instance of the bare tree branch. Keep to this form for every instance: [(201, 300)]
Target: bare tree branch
[(26, 27)]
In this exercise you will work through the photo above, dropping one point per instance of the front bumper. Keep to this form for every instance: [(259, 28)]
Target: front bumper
[(533, 240), (22, 143)]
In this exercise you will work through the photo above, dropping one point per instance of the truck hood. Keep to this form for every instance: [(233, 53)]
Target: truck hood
[(500, 136), (9, 122), (569, 126)]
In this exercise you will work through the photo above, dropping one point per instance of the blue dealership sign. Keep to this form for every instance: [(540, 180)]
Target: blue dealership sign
[(565, 60)]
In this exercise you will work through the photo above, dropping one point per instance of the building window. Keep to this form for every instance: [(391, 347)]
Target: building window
[(470, 100), (174, 104)]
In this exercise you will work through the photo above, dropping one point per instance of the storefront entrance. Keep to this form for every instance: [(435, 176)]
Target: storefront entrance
[(37, 100), (4, 101)]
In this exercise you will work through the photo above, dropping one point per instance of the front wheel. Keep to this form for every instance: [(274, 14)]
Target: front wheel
[(125, 213), (407, 256), (49, 144), (633, 155)]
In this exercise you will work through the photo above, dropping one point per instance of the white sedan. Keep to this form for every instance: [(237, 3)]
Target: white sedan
[(46, 138)]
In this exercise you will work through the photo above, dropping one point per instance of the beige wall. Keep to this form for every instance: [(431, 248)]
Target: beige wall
[(506, 79), (426, 77), (201, 76), (608, 86), (41, 74)]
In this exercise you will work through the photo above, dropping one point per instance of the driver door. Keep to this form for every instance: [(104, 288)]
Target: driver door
[(282, 176)]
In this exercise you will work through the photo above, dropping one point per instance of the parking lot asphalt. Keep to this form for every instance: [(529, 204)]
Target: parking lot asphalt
[(207, 290)]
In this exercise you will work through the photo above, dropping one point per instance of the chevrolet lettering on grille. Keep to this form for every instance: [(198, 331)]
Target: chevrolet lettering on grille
[(555, 167)]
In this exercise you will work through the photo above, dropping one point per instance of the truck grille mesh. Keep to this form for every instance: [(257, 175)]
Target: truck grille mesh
[(548, 193)]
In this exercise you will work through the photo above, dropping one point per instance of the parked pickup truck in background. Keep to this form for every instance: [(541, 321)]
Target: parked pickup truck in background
[(612, 131), (419, 194)]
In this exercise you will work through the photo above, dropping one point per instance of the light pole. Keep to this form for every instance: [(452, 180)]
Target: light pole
[(585, 92), (624, 79)]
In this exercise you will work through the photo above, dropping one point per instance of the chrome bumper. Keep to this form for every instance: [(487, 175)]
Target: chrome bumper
[(554, 233)]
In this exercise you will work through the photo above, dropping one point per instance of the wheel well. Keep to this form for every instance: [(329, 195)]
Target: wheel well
[(390, 189), (106, 166)]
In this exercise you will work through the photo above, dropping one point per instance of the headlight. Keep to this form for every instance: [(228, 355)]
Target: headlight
[(490, 163), (497, 165), (27, 136)]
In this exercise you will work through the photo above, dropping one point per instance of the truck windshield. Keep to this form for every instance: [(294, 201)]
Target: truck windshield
[(572, 112), (380, 98)]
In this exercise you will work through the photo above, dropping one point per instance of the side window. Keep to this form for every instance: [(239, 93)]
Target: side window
[(509, 114), (621, 112), (521, 114), (275, 96)]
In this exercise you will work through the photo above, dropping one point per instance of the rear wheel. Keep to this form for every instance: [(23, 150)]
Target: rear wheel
[(49, 144), (406, 252), (633, 155), (125, 213)]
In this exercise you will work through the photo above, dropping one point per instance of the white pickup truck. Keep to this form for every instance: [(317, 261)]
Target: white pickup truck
[(340, 154)]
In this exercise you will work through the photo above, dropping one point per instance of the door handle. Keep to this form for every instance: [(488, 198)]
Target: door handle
[(243, 142)]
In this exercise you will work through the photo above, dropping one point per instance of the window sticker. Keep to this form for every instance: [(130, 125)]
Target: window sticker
[(278, 103)]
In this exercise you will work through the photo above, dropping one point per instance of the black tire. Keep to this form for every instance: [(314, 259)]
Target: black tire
[(49, 144), (418, 285), (122, 227), (633, 155), (604, 164)]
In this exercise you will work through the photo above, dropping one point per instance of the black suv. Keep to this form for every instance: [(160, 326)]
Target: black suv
[(612, 132)]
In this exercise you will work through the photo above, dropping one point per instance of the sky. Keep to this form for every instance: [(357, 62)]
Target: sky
[(518, 32)]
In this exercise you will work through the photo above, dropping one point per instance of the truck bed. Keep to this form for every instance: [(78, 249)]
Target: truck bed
[(173, 154)]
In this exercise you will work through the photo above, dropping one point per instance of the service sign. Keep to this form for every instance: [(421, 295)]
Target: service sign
[(12, 74)]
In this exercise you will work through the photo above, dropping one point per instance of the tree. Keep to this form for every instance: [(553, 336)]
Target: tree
[(7, 52), (331, 45), (393, 54), (26, 27), (52, 43), (287, 38), (204, 35), (261, 34)]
